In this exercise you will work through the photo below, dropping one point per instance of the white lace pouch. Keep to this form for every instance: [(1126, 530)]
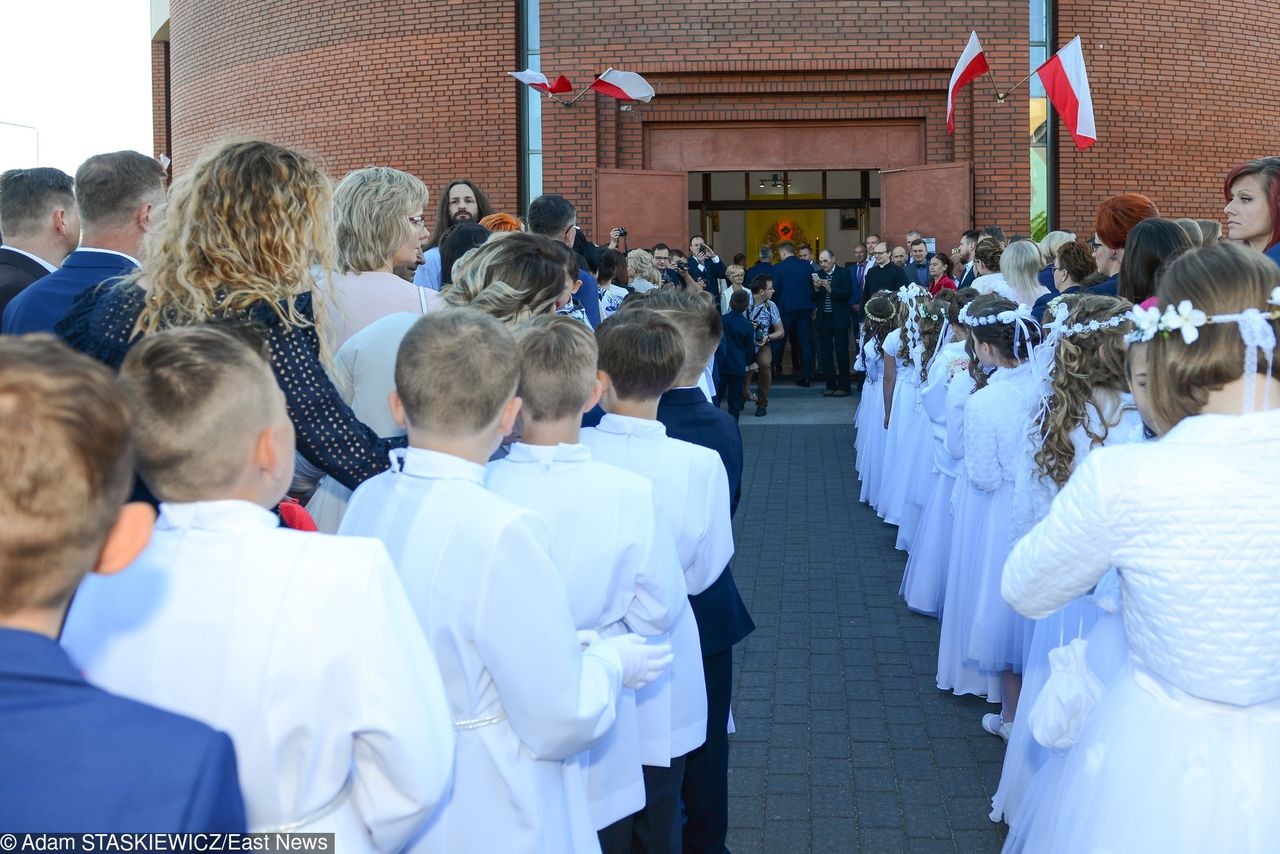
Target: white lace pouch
[(1067, 698)]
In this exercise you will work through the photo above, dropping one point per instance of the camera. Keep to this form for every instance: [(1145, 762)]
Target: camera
[(622, 231)]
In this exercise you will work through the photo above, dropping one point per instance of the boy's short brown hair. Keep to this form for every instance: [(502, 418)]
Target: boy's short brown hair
[(455, 371), (557, 366), (697, 316), (66, 467), (641, 352), (200, 395)]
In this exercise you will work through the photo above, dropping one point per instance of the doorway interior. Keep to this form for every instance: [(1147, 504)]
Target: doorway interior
[(738, 212)]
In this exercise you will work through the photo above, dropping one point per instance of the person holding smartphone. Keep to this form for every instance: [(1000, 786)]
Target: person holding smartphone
[(705, 265)]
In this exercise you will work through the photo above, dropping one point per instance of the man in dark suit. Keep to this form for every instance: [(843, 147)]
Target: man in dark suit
[(737, 348), (967, 244), (705, 266), (792, 282), (763, 267), (884, 276), (832, 293), (40, 225), (76, 758), (555, 217), (118, 195), (722, 622), (918, 267)]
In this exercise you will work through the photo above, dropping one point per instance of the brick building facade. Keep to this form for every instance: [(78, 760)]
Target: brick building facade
[(826, 88)]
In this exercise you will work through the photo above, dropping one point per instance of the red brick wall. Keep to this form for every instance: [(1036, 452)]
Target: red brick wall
[(160, 98), (417, 86), (738, 62), (1183, 92)]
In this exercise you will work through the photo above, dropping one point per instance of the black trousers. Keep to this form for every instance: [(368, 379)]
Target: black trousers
[(833, 348), (656, 828), (796, 325), (706, 774), (731, 392)]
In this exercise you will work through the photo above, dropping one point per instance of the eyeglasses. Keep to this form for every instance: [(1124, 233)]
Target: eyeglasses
[(1095, 245), (419, 220)]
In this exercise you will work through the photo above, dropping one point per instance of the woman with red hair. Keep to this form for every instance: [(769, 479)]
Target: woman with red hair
[(1252, 192), (1115, 217)]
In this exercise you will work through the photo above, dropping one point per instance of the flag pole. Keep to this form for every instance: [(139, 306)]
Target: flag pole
[(587, 89), (1001, 96)]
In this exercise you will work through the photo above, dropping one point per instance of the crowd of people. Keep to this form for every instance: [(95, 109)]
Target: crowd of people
[(1078, 449), (374, 602)]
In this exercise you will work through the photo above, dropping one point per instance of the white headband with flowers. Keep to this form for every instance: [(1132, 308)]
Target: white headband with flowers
[(1255, 332), (1059, 328)]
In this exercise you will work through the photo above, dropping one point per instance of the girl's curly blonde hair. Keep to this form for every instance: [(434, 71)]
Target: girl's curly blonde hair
[(250, 223), (1088, 369)]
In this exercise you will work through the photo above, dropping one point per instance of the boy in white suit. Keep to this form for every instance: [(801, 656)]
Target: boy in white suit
[(301, 646), (523, 693), (640, 357), (624, 575)]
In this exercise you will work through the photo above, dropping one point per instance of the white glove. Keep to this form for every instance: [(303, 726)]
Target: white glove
[(642, 662)]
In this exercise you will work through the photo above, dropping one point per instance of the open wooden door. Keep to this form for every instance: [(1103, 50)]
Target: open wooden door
[(936, 201), (652, 206)]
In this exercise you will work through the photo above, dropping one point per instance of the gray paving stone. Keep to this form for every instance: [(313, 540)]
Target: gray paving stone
[(844, 743)]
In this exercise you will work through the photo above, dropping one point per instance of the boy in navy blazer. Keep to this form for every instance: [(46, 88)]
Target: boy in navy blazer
[(719, 610), (737, 347), (74, 758)]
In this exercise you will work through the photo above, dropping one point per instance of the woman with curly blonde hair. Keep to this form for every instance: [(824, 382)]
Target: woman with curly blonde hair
[(642, 271), (246, 230), (515, 276)]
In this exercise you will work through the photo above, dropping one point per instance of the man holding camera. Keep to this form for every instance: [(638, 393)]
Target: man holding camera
[(832, 294), (705, 265), (672, 267)]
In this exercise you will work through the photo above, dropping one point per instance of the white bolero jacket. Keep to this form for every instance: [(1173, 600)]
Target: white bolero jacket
[(1192, 522)]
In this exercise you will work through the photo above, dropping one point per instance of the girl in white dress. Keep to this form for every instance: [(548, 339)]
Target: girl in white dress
[(924, 581), (903, 419), (870, 439), (931, 323), (992, 637), (1089, 406), (1182, 753)]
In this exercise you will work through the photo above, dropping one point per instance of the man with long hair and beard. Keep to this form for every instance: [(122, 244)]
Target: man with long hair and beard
[(460, 201)]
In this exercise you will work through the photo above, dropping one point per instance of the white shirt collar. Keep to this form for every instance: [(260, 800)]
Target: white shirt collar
[(36, 258), (626, 425), (419, 462), (546, 454), (227, 516), (130, 258)]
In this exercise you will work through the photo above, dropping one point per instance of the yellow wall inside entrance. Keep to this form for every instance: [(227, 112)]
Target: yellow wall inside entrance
[(769, 228)]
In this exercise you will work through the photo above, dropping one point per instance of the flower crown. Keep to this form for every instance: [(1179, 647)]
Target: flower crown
[(1254, 325), (871, 315), (1013, 315), (1059, 322)]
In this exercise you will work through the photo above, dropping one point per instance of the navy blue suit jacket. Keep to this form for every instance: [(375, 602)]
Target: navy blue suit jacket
[(792, 281), (1274, 253), (589, 296), (722, 617), (760, 268), (16, 272), (737, 343), (77, 759), (707, 273), (42, 304), (918, 273), (1109, 288)]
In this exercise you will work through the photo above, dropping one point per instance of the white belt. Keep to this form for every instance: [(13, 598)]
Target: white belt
[(478, 723)]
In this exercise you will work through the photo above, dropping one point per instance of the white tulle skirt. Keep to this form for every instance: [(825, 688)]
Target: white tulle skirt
[(1159, 770), (1024, 756), (870, 439), (909, 447), (956, 673), (891, 464), (924, 582), (998, 638)]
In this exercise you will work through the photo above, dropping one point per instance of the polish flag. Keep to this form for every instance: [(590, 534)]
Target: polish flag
[(1067, 85), (623, 85), (537, 80), (972, 65)]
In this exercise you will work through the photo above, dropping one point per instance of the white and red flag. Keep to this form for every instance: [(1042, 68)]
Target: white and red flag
[(972, 65), (538, 80), (623, 85), (1067, 85)]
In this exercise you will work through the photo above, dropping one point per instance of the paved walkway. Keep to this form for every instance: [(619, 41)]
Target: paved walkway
[(843, 743)]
